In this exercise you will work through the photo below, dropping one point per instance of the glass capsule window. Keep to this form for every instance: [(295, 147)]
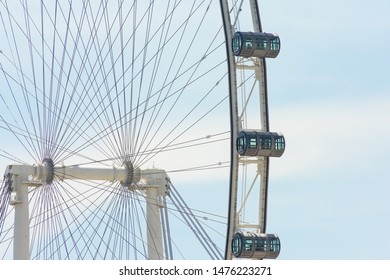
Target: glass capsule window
[(261, 244), (241, 144), (274, 44), (279, 143), (248, 43), (261, 43), (265, 142), (236, 245), (237, 43), (253, 143), (248, 244), (274, 245)]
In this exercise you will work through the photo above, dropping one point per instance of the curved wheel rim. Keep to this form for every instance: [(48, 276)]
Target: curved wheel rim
[(249, 109)]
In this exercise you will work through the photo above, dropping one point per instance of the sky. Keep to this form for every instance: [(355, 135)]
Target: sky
[(329, 94)]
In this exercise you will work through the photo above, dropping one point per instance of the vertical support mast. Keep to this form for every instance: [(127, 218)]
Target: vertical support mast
[(154, 235), (22, 222), (156, 188), (17, 176)]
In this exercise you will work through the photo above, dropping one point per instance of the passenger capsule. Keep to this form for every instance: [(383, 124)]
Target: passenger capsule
[(255, 245), (260, 143), (256, 44)]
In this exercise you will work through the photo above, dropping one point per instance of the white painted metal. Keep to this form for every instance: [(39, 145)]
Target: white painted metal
[(156, 188), (85, 173), (21, 226), (154, 233), (152, 181), (19, 199), (259, 69)]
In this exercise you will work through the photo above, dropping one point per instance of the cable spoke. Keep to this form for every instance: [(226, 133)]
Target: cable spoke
[(102, 84)]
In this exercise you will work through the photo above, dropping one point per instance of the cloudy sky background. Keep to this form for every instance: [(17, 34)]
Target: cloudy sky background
[(329, 93)]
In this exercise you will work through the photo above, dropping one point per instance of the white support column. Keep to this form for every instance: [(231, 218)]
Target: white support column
[(156, 187), (19, 199), (22, 220), (154, 232)]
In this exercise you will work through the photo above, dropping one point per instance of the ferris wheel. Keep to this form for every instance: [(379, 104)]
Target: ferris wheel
[(115, 133)]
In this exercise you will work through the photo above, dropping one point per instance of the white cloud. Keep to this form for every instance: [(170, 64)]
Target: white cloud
[(333, 134)]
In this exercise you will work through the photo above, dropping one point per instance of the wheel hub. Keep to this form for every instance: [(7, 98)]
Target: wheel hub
[(49, 168), (133, 175)]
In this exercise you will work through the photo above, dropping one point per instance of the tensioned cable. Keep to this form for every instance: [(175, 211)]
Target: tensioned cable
[(27, 99), (27, 135), (159, 149), (169, 111), (87, 47), (179, 45), (159, 55), (94, 141), (5, 196), (194, 224), (96, 138), (67, 207), (31, 144), (85, 219), (95, 107), (47, 104)]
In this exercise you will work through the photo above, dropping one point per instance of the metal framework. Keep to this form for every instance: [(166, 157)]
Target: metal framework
[(240, 171), (153, 181)]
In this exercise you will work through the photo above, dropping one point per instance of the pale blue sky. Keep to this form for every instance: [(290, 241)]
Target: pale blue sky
[(329, 93)]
